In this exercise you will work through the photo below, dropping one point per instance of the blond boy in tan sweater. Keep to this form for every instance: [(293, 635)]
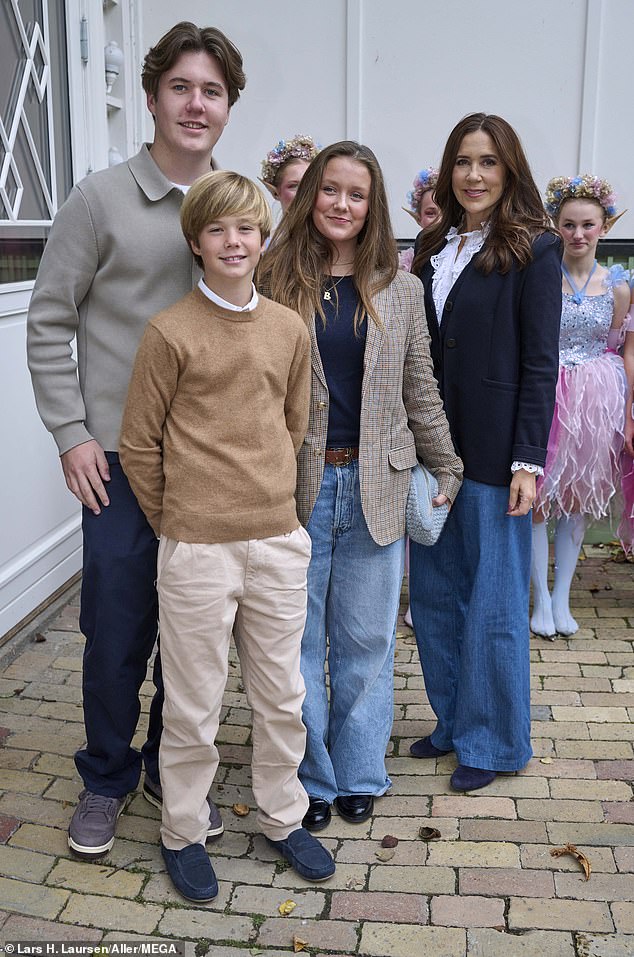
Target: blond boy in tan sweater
[(216, 413)]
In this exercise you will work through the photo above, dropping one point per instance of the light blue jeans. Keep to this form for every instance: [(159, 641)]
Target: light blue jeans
[(469, 601), (354, 590)]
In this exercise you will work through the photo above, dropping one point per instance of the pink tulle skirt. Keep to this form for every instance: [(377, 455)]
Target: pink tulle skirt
[(585, 465)]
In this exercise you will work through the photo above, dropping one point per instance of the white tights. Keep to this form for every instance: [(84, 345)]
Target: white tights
[(551, 612)]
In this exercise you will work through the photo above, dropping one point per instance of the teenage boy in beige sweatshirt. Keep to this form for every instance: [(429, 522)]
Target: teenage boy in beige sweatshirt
[(216, 413), (114, 258)]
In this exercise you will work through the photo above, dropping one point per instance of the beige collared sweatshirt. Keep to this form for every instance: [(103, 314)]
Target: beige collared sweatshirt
[(216, 413)]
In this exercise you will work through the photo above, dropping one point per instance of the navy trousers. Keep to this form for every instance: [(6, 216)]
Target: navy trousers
[(119, 619)]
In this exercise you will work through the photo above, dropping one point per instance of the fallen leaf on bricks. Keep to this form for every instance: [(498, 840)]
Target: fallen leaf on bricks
[(299, 944), (545, 760), (38, 637), (354, 882), (574, 851), (287, 908), (389, 841), (241, 810), (429, 834), (385, 854)]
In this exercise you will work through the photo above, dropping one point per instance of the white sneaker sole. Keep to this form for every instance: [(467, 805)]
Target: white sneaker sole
[(92, 852)]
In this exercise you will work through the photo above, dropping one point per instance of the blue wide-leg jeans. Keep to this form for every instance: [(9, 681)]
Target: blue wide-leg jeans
[(354, 588), (119, 618), (469, 601)]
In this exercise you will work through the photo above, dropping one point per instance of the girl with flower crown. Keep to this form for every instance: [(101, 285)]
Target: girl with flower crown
[(284, 166), (421, 205), (583, 465)]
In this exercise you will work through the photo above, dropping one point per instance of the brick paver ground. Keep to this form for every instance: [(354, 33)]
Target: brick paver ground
[(487, 887)]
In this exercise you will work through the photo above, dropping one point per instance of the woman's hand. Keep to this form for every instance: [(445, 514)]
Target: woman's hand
[(441, 500), (522, 493)]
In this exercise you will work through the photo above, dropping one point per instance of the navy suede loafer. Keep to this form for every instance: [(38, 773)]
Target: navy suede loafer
[(191, 872), (306, 855), (423, 748), (470, 779)]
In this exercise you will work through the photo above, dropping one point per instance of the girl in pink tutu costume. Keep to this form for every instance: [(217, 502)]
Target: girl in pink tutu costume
[(422, 207), (583, 465)]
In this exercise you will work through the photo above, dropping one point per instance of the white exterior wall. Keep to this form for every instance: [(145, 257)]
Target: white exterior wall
[(396, 77)]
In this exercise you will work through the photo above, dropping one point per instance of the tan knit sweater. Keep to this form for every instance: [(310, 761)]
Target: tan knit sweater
[(216, 412)]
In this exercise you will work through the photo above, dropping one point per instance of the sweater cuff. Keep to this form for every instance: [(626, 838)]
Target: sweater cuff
[(69, 435)]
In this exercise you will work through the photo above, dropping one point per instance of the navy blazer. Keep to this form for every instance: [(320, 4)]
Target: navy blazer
[(496, 356)]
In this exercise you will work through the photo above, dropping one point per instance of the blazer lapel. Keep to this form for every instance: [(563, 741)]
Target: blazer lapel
[(375, 337), (315, 357)]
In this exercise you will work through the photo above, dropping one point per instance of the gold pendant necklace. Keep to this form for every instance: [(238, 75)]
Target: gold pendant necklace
[(328, 292)]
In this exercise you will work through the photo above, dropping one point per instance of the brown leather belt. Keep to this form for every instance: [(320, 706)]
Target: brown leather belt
[(341, 456)]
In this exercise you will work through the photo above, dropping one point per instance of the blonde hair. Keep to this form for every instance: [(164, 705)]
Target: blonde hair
[(223, 193), (291, 271)]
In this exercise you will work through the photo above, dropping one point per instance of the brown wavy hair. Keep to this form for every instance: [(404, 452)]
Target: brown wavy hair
[(292, 269), (515, 221), (186, 37)]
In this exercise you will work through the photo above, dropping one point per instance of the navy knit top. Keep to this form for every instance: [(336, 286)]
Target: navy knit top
[(342, 355)]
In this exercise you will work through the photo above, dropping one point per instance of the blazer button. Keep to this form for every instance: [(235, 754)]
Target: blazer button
[(448, 305), (322, 405), (451, 343), (317, 452)]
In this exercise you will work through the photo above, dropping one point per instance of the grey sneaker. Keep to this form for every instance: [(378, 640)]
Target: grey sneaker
[(92, 826), (153, 792)]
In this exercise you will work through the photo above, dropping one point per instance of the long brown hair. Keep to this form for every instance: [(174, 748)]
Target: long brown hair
[(292, 269), (517, 218)]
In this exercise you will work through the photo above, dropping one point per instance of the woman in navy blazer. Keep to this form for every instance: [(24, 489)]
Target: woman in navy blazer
[(491, 272)]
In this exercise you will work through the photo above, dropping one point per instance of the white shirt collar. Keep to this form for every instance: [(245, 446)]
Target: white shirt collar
[(204, 288)]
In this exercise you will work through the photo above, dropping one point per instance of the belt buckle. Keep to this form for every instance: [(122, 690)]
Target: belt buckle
[(345, 458)]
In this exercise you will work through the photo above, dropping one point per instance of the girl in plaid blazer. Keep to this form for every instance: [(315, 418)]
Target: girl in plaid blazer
[(375, 409)]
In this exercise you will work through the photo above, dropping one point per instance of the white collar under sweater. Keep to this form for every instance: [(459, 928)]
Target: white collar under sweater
[(204, 288)]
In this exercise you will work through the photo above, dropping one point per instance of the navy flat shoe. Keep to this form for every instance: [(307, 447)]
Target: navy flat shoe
[(423, 748), (191, 872), (470, 779), (306, 855)]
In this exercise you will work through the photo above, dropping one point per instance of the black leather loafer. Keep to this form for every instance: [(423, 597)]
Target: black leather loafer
[(355, 808), (318, 815)]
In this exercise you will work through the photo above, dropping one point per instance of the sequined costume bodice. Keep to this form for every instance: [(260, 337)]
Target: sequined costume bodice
[(584, 328)]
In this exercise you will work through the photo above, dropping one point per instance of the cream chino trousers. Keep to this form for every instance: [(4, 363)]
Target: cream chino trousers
[(257, 589)]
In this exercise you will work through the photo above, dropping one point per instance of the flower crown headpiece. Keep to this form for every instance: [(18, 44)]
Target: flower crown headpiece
[(424, 180), (299, 147), (587, 186)]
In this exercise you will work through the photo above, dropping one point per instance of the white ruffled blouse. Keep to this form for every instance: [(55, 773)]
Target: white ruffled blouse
[(449, 263)]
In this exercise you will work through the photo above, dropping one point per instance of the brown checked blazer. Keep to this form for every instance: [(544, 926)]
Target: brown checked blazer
[(402, 416)]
